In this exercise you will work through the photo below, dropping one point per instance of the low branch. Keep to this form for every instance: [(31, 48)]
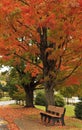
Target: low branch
[(24, 2), (74, 69), (39, 88), (28, 61), (23, 47)]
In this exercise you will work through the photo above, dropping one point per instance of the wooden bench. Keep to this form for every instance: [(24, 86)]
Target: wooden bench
[(54, 113)]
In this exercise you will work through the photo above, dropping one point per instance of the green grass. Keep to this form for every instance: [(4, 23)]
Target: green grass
[(69, 110), (74, 122), (40, 107), (5, 98)]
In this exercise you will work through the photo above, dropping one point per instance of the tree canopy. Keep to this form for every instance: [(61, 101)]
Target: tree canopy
[(47, 34)]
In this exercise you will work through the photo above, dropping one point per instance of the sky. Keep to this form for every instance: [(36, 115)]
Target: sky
[(4, 68)]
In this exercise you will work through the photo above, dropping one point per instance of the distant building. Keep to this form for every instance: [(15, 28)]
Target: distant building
[(72, 100)]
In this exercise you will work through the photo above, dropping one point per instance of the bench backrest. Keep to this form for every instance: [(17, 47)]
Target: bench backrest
[(56, 110)]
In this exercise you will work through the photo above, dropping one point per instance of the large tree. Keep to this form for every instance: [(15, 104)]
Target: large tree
[(51, 35)]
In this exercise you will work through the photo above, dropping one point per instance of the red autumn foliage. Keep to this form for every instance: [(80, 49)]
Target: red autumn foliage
[(73, 80), (48, 29)]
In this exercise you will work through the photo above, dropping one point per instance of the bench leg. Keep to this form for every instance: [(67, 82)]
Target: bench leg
[(43, 117), (49, 119), (55, 120), (62, 121)]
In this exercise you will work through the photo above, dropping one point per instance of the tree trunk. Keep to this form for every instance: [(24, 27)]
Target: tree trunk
[(49, 65), (49, 96), (29, 97)]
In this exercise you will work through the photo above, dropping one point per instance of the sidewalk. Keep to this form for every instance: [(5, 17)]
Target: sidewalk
[(27, 123), (3, 124)]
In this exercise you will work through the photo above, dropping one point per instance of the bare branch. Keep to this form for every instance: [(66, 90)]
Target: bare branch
[(28, 61), (24, 2), (74, 69)]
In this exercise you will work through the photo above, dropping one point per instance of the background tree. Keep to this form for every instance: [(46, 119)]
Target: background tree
[(27, 81), (69, 91), (3, 88), (51, 32)]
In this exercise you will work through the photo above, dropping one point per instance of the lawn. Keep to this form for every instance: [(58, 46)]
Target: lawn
[(70, 110), (5, 98)]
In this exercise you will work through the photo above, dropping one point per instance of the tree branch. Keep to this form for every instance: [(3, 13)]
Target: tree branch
[(74, 69), (28, 61), (24, 2)]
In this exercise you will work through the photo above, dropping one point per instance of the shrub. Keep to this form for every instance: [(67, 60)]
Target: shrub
[(78, 110), (1, 93), (80, 98), (19, 96), (59, 100), (40, 99)]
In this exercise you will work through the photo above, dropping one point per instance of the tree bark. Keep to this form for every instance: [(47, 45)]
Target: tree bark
[(49, 93), (29, 96)]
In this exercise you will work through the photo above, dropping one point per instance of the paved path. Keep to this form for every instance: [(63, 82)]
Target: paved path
[(3, 124), (4, 103), (27, 123)]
